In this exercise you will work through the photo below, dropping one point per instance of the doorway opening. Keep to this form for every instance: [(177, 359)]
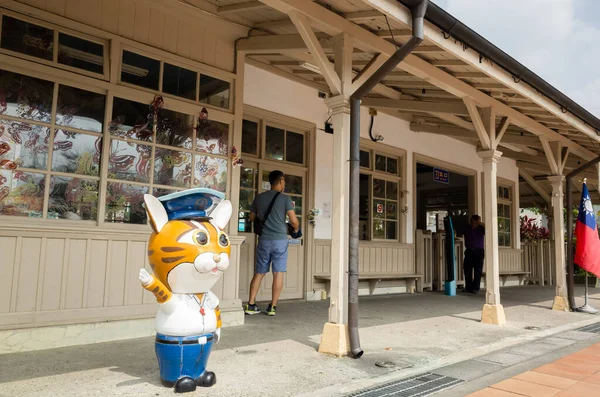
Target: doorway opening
[(441, 193)]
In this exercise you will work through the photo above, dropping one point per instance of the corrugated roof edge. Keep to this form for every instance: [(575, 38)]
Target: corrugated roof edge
[(463, 33)]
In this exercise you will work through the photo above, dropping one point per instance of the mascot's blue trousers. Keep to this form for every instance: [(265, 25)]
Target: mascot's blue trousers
[(182, 361)]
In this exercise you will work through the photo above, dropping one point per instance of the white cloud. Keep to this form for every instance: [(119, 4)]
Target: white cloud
[(559, 40)]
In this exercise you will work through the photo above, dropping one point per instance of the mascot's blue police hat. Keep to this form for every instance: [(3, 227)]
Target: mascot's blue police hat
[(191, 203)]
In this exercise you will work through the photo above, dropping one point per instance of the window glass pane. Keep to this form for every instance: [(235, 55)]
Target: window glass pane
[(211, 172), (76, 153), (365, 159), (390, 230), (297, 203), (80, 109), (21, 193), (500, 210), (379, 229), (246, 198), (27, 38), (293, 184), (212, 137), (244, 224), (73, 198), (380, 163), (174, 129), (129, 161), (391, 210), (172, 168), (214, 91), (294, 151), (131, 120), (274, 143), (179, 81), (140, 70), (79, 53), (378, 188), (392, 165), (379, 209), (391, 191), (364, 207), (159, 191), (23, 145), (250, 137), (247, 178), (124, 203), (25, 97)]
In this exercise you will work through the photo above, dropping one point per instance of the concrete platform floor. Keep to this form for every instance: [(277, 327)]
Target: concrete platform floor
[(277, 356)]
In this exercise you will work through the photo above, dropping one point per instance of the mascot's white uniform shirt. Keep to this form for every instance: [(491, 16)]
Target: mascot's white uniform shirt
[(180, 315)]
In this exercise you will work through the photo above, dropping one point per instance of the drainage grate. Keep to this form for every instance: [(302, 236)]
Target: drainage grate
[(593, 328), (416, 386)]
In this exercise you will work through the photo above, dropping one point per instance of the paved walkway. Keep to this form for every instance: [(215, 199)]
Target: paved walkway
[(576, 375)]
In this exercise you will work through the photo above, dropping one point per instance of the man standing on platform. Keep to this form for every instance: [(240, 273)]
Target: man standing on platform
[(474, 235)]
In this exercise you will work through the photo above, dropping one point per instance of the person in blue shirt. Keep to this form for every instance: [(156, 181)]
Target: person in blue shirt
[(272, 248), (474, 235)]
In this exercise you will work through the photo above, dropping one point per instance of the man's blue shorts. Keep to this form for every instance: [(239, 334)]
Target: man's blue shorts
[(271, 251)]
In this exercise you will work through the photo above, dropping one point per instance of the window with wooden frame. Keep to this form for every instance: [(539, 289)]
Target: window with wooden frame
[(52, 139), (504, 216), (379, 196), (281, 143), (52, 45), (152, 73)]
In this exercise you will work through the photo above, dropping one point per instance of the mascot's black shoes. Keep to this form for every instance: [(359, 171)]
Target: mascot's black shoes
[(185, 385), (207, 379)]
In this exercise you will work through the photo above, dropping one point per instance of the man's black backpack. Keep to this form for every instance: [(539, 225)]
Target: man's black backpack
[(260, 223)]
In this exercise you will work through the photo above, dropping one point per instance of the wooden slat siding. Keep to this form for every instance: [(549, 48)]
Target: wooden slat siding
[(141, 24), (136, 258), (40, 280), (157, 28), (28, 275), (424, 257), (126, 18), (75, 274), (7, 250), (52, 276), (171, 30), (510, 259), (116, 275), (183, 40), (110, 16), (96, 279), (88, 12), (41, 4)]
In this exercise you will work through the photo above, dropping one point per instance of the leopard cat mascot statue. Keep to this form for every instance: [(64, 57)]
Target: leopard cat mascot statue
[(188, 252)]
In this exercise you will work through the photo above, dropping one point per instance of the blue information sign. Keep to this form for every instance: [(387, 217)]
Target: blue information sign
[(441, 176)]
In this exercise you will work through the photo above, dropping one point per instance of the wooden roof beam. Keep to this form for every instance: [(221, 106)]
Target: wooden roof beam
[(416, 106), (535, 185), (240, 7)]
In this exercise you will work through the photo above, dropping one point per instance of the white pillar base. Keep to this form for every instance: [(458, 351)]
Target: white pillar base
[(560, 304), (493, 314), (335, 340)]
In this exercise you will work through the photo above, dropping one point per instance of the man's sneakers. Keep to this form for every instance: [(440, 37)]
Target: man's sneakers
[(252, 309)]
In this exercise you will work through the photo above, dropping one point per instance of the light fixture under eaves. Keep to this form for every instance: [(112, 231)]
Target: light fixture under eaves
[(311, 67)]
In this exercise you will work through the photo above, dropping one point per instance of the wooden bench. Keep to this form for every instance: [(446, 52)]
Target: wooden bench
[(505, 275), (416, 280)]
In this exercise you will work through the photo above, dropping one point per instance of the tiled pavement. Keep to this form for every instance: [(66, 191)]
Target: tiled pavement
[(576, 375)]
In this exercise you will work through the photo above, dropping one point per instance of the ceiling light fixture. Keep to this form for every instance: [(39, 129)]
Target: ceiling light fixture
[(311, 67)]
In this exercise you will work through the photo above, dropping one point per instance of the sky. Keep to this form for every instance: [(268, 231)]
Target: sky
[(559, 40)]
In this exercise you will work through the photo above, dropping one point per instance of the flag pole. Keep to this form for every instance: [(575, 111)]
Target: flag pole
[(586, 308)]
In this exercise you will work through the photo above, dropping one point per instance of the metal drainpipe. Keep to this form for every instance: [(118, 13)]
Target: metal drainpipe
[(418, 14), (570, 277)]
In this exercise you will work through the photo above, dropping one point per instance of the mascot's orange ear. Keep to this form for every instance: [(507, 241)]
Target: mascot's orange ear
[(156, 213)]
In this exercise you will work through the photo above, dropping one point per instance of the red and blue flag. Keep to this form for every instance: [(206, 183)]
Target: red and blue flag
[(587, 249)]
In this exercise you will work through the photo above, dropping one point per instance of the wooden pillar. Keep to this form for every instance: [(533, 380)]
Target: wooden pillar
[(560, 300), (335, 339), (493, 312)]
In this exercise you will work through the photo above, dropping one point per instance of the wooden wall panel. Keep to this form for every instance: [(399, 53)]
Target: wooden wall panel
[(85, 11), (75, 274), (57, 7), (7, 267), (110, 16), (510, 260), (126, 18), (27, 280), (115, 287), (157, 28), (141, 23), (372, 257), (96, 273), (136, 258), (53, 273)]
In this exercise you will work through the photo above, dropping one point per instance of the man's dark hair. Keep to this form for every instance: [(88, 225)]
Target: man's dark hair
[(475, 218), (274, 177)]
